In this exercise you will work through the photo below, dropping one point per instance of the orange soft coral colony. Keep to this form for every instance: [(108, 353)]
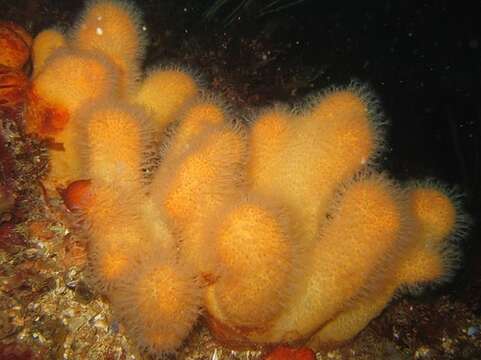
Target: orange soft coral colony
[(278, 235), (68, 80), (113, 28), (254, 246), (210, 168), (429, 257), (366, 227), (313, 153), (434, 209)]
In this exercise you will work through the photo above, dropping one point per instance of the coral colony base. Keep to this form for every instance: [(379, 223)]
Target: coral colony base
[(281, 230)]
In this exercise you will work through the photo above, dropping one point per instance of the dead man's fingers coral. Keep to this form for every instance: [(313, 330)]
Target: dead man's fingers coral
[(353, 319), (114, 230), (268, 136), (205, 177), (165, 93), (366, 227), (202, 114), (430, 257), (68, 80), (115, 29), (158, 302), (113, 137), (441, 221), (122, 226), (255, 247), (326, 144), (44, 45)]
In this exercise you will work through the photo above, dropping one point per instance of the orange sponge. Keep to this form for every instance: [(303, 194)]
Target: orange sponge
[(114, 28)]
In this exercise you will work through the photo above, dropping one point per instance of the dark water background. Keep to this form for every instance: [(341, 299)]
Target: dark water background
[(421, 58)]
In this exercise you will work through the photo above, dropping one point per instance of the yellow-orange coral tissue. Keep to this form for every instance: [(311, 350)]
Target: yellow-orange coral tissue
[(275, 230)]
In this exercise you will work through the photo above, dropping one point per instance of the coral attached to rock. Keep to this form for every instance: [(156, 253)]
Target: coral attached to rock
[(279, 230)]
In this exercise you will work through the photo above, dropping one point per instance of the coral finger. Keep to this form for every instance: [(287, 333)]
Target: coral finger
[(114, 137), (255, 248), (114, 28), (205, 178), (430, 257), (68, 80), (165, 93), (326, 145), (44, 45), (356, 244), (158, 303)]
